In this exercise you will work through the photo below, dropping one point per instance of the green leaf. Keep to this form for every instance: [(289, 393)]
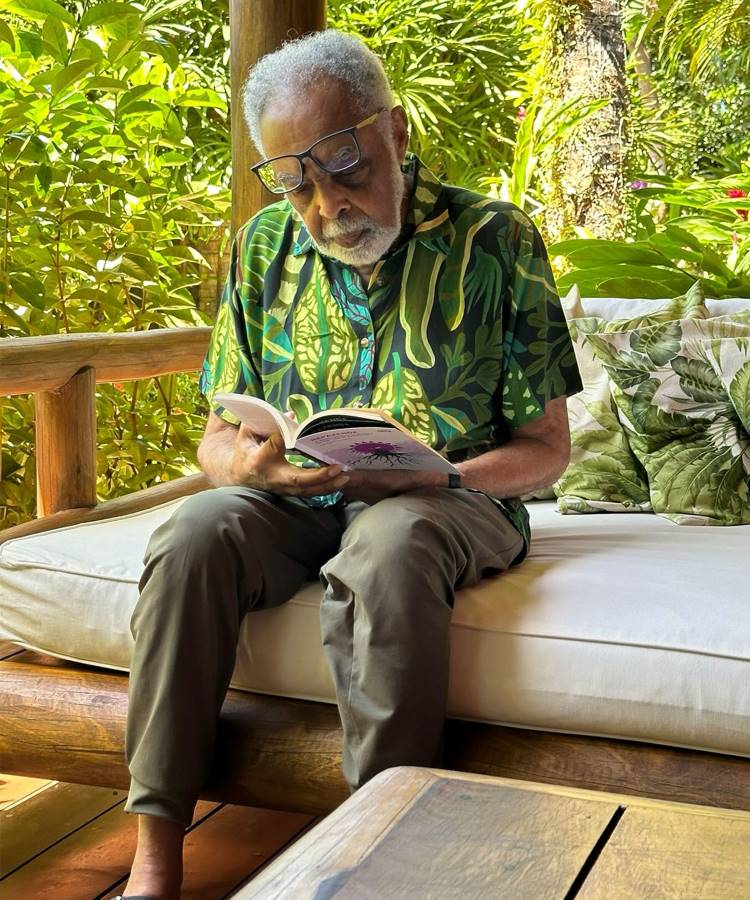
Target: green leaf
[(55, 38), (601, 283), (29, 289), (72, 73), (197, 97), (6, 35), (9, 313), (137, 94), (596, 252), (107, 83), (44, 176), (167, 52), (87, 215), (38, 10), (107, 12)]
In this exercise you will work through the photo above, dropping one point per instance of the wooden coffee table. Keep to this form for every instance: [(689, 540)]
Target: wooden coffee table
[(425, 833)]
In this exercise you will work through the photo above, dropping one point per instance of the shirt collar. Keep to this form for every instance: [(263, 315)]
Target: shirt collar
[(425, 222), (427, 216)]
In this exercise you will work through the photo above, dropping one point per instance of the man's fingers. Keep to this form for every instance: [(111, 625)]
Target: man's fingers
[(272, 447), (308, 482)]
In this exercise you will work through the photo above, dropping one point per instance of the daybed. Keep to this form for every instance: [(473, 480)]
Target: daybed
[(617, 657)]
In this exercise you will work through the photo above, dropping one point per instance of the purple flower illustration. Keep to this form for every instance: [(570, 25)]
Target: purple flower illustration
[(380, 452)]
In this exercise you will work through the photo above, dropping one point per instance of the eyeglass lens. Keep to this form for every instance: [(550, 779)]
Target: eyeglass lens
[(333, 154)]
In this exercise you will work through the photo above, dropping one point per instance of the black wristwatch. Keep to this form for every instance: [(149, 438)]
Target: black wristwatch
[(454, 480)]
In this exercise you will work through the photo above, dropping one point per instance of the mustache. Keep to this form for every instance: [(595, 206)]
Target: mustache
[(333, 228)]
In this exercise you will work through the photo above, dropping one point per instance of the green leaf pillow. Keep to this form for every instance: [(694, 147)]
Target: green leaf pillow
[(603, 474), (681, 391), (732, 356)]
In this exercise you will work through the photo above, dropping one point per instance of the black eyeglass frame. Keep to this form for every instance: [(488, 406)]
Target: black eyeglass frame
[(308, 154)]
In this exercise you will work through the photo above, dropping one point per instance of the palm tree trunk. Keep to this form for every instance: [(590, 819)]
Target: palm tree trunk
[(583, 175)]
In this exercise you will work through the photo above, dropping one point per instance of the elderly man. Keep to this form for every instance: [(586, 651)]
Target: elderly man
[(368, 284)]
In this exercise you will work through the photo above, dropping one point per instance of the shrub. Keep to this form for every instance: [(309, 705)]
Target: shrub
[(106, 196)]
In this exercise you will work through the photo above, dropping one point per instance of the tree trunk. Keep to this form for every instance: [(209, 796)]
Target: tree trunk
[(583, 174)]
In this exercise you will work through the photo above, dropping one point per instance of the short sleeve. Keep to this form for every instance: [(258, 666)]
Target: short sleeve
[(229, 364), (538, 359)]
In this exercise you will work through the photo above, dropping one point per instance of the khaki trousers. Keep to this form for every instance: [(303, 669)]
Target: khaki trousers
[(389, 572)]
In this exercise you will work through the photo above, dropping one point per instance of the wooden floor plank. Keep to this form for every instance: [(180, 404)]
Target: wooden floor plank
[(243, 839), (16, 788), (8, 649), (31, 827), (85, 863), (670, 855)]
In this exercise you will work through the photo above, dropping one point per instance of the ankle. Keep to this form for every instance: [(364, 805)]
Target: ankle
[(157, 866)]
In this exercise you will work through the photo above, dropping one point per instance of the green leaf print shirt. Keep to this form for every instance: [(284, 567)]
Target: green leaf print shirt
[(459, 333)]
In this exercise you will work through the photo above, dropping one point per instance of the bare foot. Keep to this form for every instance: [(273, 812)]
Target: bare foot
[(157, 867)]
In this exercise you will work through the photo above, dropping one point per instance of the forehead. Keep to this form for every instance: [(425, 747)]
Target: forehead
[(291, 124)]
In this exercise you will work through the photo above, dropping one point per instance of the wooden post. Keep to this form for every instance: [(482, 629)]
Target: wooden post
[(66, 445), (258, 27)]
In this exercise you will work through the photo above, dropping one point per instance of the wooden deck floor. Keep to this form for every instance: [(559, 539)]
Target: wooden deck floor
[(72, 842)]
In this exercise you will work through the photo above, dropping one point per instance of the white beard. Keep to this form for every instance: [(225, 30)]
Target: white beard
[(376, 239)]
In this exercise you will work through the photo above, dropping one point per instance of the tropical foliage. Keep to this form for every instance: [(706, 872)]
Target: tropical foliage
[(700, 233), (690, 175), (109, 185), (455, 67)]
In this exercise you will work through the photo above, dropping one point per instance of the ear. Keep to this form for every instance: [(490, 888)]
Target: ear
[(400, 131)]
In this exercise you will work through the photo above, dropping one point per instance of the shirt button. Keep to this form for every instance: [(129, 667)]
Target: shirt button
[(358, 405), (365, 342)]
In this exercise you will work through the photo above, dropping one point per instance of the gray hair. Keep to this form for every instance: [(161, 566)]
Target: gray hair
[(319, 57)]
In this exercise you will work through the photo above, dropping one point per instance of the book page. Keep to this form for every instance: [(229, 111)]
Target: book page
[(367, 447), (259, 416)]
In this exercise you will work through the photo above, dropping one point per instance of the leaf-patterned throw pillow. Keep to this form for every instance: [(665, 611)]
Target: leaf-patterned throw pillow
[(603, 474), (732, 356), (681, 391)]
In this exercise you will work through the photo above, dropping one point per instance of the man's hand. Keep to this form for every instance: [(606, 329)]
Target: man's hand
[(229, 454), (260, 463)]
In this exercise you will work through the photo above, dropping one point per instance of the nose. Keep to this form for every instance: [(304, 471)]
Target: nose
[(329, 197)]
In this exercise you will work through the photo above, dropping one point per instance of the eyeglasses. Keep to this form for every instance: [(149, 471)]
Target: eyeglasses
[(334, 153)]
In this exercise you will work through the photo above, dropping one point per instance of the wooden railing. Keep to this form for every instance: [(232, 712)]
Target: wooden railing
[(63, 371)]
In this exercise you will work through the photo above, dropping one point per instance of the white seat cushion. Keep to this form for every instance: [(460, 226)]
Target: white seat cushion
[(615, 625)]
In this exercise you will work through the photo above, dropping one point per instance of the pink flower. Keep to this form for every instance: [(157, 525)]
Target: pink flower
[(521, 113), (637, 185), (373, 447), (735, 194)]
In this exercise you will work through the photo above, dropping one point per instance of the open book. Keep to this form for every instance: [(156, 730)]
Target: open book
[(353, 438)]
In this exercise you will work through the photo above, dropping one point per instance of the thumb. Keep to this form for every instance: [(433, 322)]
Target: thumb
[(274, 444)]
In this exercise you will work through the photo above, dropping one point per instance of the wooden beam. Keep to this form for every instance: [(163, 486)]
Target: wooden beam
[(47, 363), (66, 445), (68, 723), (58, 718), (257, 28), (120, 506)]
